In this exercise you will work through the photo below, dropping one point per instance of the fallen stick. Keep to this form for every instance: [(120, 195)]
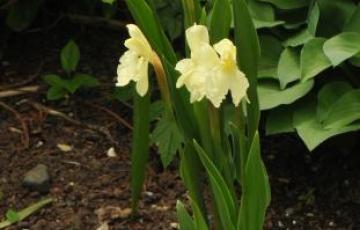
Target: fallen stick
[(19, 91), (56, 113)]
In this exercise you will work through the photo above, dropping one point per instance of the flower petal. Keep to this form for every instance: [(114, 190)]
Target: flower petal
[(238, 87), (226, 48), (205, 56), (142, 81), (196, 35), (126, 70)]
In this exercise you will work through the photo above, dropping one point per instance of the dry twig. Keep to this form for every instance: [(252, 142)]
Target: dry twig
[(19, 91), (25, 139), (56, 113), (111, 113)]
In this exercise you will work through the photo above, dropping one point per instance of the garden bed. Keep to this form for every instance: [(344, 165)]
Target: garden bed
[(320, 190)]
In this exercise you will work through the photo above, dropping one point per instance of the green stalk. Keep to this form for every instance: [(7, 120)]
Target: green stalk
[(27, 212), (140, 146)]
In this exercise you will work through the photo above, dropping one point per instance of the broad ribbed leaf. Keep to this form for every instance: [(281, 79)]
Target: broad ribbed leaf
[(263, 14), (344, 111), (341, 47), (270, 94), (328, 95), (313, 50), (311, 131), (271, 49), (225, 203), (288, 67), (256, 193), (353, 23), (280, 120), (140, 145)]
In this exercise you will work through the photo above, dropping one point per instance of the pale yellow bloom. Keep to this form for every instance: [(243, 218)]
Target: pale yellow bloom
[(211, 71), (134, 63)]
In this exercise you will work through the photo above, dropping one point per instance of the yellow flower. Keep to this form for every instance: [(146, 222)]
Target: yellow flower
[(134, 63), (211, 71)]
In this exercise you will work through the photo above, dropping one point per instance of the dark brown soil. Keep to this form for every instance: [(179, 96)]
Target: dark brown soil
[(320, 190)]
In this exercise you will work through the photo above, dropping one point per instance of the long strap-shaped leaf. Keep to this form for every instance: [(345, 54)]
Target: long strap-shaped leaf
[(224, 200), (248, 53), (256, 191), (140, 146)]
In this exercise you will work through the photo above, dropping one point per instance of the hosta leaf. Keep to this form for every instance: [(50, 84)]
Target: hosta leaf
[(223, 197), (313, 50), (288, 4), (271, 49), (344, 111), (299, 38), (70, 56), (255, 192), (329, 25), (311, 131), (270, 95), (263, 15), (288, 66), (353, 23), (168, 138), (328, 95), (280, 120), (342, 46), (313, 19)]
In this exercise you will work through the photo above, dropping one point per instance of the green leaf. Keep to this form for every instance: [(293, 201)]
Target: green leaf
[(313, 19), (70, 56), (353, 23), (311, 131), (280, 120), (185, 220), (248, 54), (22, 13), (288, 4), (342, 46), (54, 80), (81, 81), (300, 38), (123, 93), (271, 49), (344, 111), (199, 220), (263, 15), (313, 50), (140, 146), (24, 213), (220, 20), (270, 95), (288, 67), (12, 216), (328, 95), (108, 1), (255, 192), (329, 25), (224, 201), (55, 93), (168, 139)]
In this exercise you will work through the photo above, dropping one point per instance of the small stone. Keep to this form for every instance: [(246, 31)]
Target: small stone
[(280, 224), (174, 225), (289, 212), (64, 147), (38, 179), (111, 152)]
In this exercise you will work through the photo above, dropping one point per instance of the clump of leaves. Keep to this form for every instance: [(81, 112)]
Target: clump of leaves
[(61, 87)]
